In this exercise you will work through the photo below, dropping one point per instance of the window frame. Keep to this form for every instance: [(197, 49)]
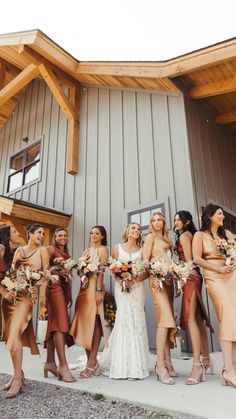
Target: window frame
[(161, 205), (25, 166)]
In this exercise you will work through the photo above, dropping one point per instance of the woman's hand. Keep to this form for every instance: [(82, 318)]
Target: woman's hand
[(9, 296), (33, 292), (64, 272), (226, 269), (99, 297)]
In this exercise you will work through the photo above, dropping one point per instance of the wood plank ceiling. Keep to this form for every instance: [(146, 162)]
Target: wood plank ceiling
[(207, 75)]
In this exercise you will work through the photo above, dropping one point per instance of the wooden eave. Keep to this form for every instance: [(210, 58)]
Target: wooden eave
[(204, 74)]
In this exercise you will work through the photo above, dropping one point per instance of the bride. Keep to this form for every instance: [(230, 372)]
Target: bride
[(126, 356)]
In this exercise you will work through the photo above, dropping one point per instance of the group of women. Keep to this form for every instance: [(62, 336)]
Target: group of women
[(126, 353)]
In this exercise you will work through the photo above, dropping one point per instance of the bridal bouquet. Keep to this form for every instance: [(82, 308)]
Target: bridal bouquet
[(68, 264), (228, 249), (86, 267), (182, 272), (162, 269), (10, 285), (126, 271)]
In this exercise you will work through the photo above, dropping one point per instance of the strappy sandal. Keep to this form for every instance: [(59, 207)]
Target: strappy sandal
[(164, 377), (208, 364), (90, 372), (201, 377), (170, 369)]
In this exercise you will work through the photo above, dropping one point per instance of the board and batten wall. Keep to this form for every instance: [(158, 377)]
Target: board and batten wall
[(213, 156), (133, 152)]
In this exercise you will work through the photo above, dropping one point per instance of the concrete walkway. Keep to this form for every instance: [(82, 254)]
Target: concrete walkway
[(206, 400)]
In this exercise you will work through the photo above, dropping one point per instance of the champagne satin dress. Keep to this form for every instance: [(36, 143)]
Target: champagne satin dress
[(18, 317), (193, 284), (221, 289), (58, 297), (86, 309), (164, 300)]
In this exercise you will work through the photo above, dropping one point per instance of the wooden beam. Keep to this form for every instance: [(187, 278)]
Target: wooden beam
[(73, 135), (57, 91), (226, 118), (213, 89), (18, 83), (3, 69)]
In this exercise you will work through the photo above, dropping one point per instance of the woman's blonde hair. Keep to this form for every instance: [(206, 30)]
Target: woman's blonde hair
[(126, 232), (165, 232)]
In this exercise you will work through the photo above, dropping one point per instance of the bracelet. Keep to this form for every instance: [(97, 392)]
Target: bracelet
[(98, 289)]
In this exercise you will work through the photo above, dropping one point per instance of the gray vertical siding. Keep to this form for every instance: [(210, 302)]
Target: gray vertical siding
[(213, 153), (133, 151)]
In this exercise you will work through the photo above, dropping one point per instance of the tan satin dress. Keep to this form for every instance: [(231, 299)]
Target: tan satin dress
[(164, 300), (221, 289), (18, 318), (86, 309)]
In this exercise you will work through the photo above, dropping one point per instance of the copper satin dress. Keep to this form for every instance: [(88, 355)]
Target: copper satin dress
[(164, 300), (18, 318), (193, 284), (221, 289), (4, 266), (86, 309), (58, 297)]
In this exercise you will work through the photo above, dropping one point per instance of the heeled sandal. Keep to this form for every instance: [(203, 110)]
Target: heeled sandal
[(64, 374), (8, 385), (15, 389), (192, 381), (227, 381), (208, 364), (49, 367), (163, 377), (170, 369), (90, 372)]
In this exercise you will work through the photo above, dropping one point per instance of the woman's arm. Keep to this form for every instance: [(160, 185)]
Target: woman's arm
[(147, 247), (99, 284), (199, 260), (186, 239)]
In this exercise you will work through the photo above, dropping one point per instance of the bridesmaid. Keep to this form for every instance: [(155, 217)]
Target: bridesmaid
[(220, 282), (9, 239), (19, 330), (157, 243), (193, 313), (87, 325), (127, 354), (58, 295)]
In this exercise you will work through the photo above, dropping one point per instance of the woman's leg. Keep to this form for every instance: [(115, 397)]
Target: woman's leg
[(97, 334), (195, 337), (50, 350), (17, 359), (59, 343), (228, 373), (160, 369)]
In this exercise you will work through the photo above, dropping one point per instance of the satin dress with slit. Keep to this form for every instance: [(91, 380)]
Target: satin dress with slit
[(58, 297), (86, 310), (18, 317), (221, 289), (127, 353), (193, 284), (164, 300)]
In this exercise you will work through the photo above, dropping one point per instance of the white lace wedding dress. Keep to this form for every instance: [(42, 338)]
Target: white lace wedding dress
[(127, 353)]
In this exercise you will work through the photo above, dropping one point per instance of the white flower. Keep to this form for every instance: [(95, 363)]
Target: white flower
[(92, 267)]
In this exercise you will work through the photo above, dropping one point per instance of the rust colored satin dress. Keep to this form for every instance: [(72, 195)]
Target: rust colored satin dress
[(58, 297), (18, 317), (221, 289), (86, 309), (193, 284), (4, 266), (164, 300)]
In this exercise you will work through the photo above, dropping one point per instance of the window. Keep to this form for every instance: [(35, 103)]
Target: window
[(24, 167), (142, 215)]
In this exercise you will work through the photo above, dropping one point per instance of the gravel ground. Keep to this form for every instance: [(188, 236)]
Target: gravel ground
[(40, 400)]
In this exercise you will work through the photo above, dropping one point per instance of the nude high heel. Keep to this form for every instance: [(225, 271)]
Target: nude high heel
[(192, 381), (208, 364), (49, 367), (164, 377), (8, 385), (227, 381), (64, 374), (90, 372), (170, 369), (16, 388)]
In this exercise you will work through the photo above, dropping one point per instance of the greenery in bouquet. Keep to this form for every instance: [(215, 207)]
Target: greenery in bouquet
[(109, 309)]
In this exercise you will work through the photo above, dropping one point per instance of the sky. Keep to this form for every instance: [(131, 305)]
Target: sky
[(124, 30)]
